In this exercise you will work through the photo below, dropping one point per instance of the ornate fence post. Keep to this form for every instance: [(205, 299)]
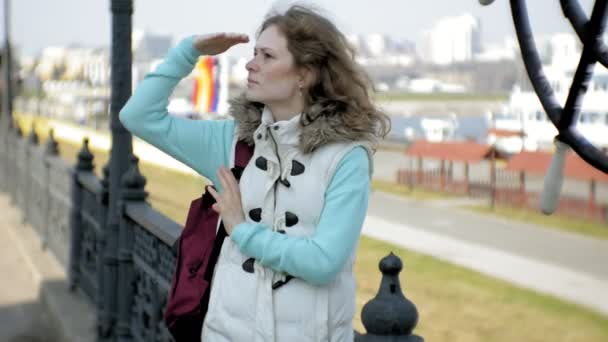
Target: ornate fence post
[(389, 316), (84, 164), (102, 291), (15, 138), (51, 147), (32, 138), (26, 174), (51, 150), (133, 184), (5, 137)]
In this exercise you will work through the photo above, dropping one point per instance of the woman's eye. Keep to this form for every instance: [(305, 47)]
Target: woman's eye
[(264, 54)]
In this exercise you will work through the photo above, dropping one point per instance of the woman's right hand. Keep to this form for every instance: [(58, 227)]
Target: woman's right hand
[(216, 43)]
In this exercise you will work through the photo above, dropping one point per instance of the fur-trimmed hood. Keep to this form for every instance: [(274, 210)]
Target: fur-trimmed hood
[(315, 131)]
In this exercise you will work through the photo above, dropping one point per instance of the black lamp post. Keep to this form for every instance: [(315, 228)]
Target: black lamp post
[(110, 327), (7, 100)]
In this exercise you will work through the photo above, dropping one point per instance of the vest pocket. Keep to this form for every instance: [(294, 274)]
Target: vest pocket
[(237, 291), (295, 302)]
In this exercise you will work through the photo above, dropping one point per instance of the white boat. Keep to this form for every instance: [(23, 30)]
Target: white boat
[(525, 117), (439, 129)]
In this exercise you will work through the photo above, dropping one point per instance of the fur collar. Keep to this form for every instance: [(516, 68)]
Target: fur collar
[(316, 131)]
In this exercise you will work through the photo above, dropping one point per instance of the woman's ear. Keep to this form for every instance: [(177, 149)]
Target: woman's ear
[(307, 77)]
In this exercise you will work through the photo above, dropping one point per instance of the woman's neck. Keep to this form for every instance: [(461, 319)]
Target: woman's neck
[(286, 110)]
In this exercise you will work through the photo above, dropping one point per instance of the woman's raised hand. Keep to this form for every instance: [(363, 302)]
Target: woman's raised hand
[(216, 43)]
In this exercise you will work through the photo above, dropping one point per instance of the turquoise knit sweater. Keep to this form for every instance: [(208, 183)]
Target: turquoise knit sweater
[(204, 145)]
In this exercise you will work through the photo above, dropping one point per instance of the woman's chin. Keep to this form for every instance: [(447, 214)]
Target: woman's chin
[(250, 96)]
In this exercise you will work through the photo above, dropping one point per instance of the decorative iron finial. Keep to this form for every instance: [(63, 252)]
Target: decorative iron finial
[(133, 183), (105, 183), (52, 148), (18, 130), (389, 315), (85, 157), (32, 138)]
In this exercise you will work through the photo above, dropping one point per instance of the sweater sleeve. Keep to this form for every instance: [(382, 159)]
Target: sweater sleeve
[(203, 145), (317, 259)]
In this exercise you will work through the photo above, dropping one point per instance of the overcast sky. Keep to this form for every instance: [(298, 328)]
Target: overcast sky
[(39, 23)]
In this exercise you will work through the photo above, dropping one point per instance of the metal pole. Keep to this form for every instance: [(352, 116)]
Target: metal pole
[(122, 11), (493, 178), (7, 101)]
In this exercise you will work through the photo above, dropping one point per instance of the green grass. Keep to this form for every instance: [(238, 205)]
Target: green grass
[(579, 226), (459, 305), (440, 97), (455, 304), (403, 190)]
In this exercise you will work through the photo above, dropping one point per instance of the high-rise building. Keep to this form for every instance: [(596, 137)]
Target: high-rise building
[(375, 44), (452, 40)]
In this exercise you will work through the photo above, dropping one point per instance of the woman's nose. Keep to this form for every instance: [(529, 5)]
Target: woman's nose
[(251, 66)]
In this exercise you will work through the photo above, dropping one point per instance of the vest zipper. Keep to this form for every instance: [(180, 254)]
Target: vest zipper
[(285, 182), (276, 151)]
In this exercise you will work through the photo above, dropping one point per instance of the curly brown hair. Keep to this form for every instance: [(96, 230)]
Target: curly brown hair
[(341, 88)]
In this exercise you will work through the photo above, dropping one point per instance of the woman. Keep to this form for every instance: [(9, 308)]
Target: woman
[(294, 220)]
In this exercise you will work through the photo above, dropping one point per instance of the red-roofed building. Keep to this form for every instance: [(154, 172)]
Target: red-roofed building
[(503, 133), (538, 163), (574, 167), (506, 185), (466, 152)]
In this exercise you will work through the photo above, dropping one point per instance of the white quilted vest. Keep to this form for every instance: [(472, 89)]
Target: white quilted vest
[(284, 189)]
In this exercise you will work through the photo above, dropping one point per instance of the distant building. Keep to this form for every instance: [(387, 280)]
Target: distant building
[(97, 68), (381, 50), (508, 50), (375, 44), (430, 85), (452, 40), (354, 41), (50, 60), (74, 63), (148, 46), (564, 49)]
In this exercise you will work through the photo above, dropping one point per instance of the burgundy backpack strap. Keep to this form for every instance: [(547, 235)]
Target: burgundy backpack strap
[(242, 154)]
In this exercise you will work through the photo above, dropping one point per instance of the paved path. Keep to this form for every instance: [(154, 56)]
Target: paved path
[(35, 304), (20, 318), (566, 265)]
